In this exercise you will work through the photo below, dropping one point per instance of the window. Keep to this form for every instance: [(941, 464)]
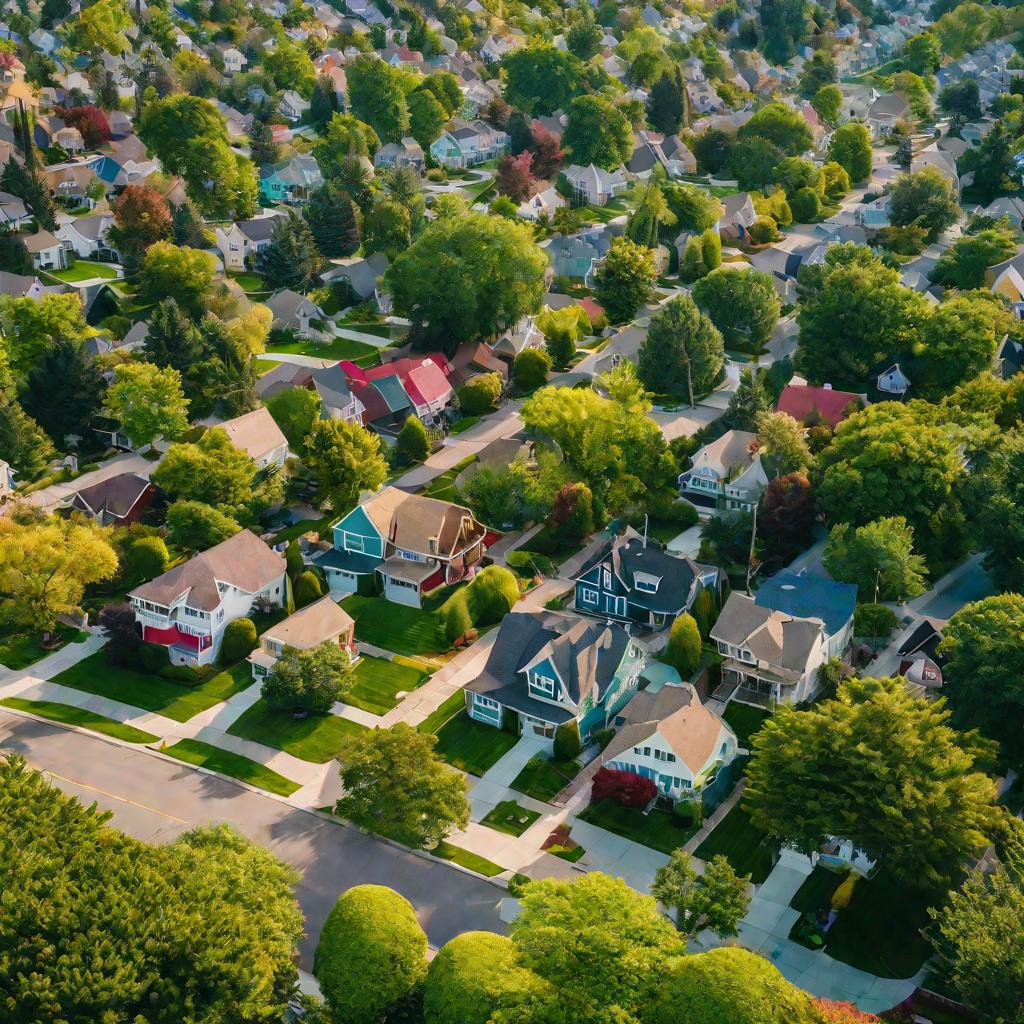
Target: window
[(485, 702), (353, 542), (588, 596), (646, 586), (544, 685), (259, 670), (607, 580)]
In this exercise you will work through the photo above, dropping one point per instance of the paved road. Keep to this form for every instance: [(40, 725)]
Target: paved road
[(156, 801)]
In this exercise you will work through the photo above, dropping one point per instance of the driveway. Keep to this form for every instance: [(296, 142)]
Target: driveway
[(968, 582), (156, 801)]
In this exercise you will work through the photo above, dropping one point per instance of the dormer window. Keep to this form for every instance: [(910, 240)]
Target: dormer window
[(646, 584), (543, 685)]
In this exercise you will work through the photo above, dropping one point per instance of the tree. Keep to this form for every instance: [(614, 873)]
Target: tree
[(239, 641), (46, 567), (597, 133), (377, 94), (188, 228), (567, 744), (90, 121), (479, 977), (23, 442), (578, 935), (694, 208), (562, 328), (210, 897), (34, 326), (142, 217), (147, 402), (64, 390), (530, 369), (347, 459), (427, 117), (514, 178), (666, 104), (344, 137), (30, 186), (262, 147), (917, 91), (170, 272), (878, 557), (806, 206), (387, 228), (749, 402), (371, 955), (295, 411), (540, 79), (878, 767), (102, 25), (786, 516), (625, 279), (196, 526), (584, 38), (331, 216), (783, 446), (412, 443), (547, 153), (753, 161), (290, 259), (465, 277), (961, 99), (835, 180), (480, 394), (925, 199), (173, 340), (922, 53), (782, 126), (323, 102), (649, 214), (396, 785), (827, 103), (818, 72), (981, 678), (851, 149), (682, 351), (14, 254), (717, 899), (964, 263), (683, 650), (309, 680), (573, 513), (743, 305)]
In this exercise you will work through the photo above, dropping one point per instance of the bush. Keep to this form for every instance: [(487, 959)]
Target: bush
[(307, 589), (239, 641), (293, 558), (517, 884), (412, 444), (572, 514), (874, 620), (602, 737), (492, 595), (763, 230), (530, 370), (705, 612), (626, 788), (683, 651), (457, 621), (187, 675), (146, 558), (436, 174), (688, 812), (151, 658), (479, 395), (567, 741)]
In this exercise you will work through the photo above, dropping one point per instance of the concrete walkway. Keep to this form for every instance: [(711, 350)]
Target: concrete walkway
[(296, 359)]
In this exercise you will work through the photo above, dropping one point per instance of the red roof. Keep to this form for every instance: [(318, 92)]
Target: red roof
[(591, 308), (427, 384), (424, 379), (801, 402)]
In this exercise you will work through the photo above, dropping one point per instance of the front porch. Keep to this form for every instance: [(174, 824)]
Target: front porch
[(747, 687)]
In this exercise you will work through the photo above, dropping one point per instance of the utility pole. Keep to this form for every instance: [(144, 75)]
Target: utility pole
[(750, 556)]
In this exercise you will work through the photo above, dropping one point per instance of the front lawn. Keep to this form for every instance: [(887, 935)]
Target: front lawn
[(155, 693), (396, 627), (378, 683), (543, 777), (745, 721), (19, 650), (460, 426), (447, 711), (544, 542), (442, 487), (315, 738), (880, 931), (83, 271), (337, 348), (455, 854), (249, 281), (68, 714), (659, 830), (510, 818), (244, 769), (747, 849), (472, 746)]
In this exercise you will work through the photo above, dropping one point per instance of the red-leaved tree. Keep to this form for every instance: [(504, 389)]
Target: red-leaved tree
[(142, 216), (514, 178), (626, 788), (547, 154), (843, 1013), (90, 121)]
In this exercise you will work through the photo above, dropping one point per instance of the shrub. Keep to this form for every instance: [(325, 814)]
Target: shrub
[(572, 514), (625, 788), (239, 641), (602, 737), (478, 395), (412, 443), (492, 595), (763, 230), (307, 589), (517, 884), (806, 205), (705, 612), (844, 893), (683, 651), (688, 812), (457, 621), (146, 558), (151, 658), (874, 620), (567, 741), (293, 559), (530, 370)]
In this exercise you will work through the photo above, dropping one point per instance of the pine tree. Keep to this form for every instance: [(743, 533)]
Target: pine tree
[(323, 102), (64, 390), (188, 228), (749, 401), (262, 147), (32, 189), (666, 105), (23, 442), (291, 260), (173, 340), (331, 216), (14, 255)]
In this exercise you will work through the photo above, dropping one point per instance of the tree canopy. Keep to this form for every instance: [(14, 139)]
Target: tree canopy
[(597, 133), (743, 305), (879, 554)]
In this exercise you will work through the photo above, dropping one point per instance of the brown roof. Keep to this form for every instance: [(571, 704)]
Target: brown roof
[(117, 495), (255, 433), (243, 561), (312, 625), (411, 521)]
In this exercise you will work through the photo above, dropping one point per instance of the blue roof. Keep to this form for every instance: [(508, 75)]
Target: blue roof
[(809, 597)]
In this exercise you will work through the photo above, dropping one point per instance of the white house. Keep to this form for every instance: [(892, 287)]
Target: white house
[(495, 47), (595, 185), (728, 463), (545, 203), (241, 242), (87, 236), (257, 434), (188, 608), (46, 250), (292, 106), (893, 381), (234, 61), (323, 621), (298, 313), (467, 143)]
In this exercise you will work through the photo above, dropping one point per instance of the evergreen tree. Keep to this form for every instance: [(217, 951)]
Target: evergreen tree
[(323, 103), (173, 340), (412, 443), (23, 442), (291, 260), (30, 187), (64, 390), (666, 104), (188, 228), (14, 255), (262, 147), (331, 216), (749, 401)]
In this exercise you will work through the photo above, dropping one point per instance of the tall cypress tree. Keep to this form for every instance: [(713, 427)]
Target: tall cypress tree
[(331, 216), (666, 104)]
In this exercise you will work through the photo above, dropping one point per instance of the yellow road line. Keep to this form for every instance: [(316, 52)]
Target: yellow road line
[(113, 796)]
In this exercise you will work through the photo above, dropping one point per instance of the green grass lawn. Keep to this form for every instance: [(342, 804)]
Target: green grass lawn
[(478, 190), (242, 768), (542, 778), (481, 865), (84, 271), (338, 348), (544, 542), (304, 526), (746, 848), (659, 830), (379, 681), (154, 693), (464, 424), (448, 710), (249, 282), (378, 330), (880, 931), (68, 714), (510, 818), (19, 650), (442, 487), (314, 738), (472, 746), (745, 721), (397, 628)]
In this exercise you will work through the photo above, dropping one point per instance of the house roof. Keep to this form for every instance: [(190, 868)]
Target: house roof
[(596, 178), (809, 597), (243, 561), (40, 241), (427, 383), (259, 229), (411, 521), (332, 386), (732, 449), (801, 401), (256, 433), (312, 625), (362, 274), (117, 495)]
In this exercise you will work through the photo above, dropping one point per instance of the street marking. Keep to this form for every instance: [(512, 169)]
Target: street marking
[(114, 796)]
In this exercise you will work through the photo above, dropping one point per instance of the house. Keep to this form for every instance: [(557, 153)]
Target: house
[(337, 402), (406, 153), (640, 583), (468, 143), (46, 250), (257, 434), (116, 501), (290, 181), (770, 657), (69, 139), (495, 47), (7, 484), (1009, 359), (725, 473), (874, 216), (893, 382), (321, 622), (70, 182), (667, 735), (243, 241), (577, 256), (652, 150), (1007, 279), (411, 543), (595, 185), (738, 214), (810, 597), (921, 663), (886, 111), (292, 106), (187, 608), (413, 386), (547, 668), (298, 313), (20, 286), (87, 236), (364, 276), (13, 212), (234, 61), (809, 406), (544, 204)]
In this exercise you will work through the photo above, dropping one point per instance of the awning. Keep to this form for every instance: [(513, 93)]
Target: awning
[(173, 637)]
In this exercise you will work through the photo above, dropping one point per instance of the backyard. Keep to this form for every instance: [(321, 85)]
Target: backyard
[(20, 649), (471, 746), (543, 777), (82, 270), (397, 627), (153, 692), (202, 755), (745, 720), (315, 738), (68, 714), (378, 683), (659, 830), (746, 848)]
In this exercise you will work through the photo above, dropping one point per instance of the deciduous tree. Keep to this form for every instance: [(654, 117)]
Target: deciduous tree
[(540, 79), (682, 351), (717, 899), (185, 275), (309, 680), (851, 149), (879, 557), (782, 126), (925, 199), (148, 402), (597, 133), (625, 279), (743, 305), (347, 459)]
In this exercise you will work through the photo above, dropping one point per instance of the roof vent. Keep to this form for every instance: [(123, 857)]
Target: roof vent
[(787, 586)]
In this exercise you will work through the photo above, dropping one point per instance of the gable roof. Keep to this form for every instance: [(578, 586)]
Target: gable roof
[(411, 521), (809, 597), (243, 561), (800, 401), (117, 495), (332, 386), (256, 433), (311, 626), (776, 638), (732, 449)]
